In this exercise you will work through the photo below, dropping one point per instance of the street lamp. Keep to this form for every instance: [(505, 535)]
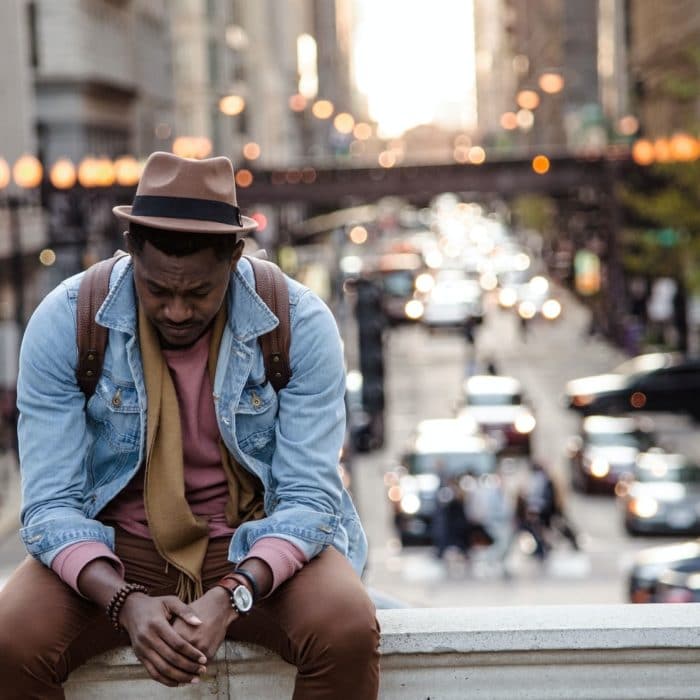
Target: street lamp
[(62, 174)]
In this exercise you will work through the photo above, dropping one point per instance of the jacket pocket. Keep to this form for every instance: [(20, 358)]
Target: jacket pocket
[(114, 414), (255, 420)]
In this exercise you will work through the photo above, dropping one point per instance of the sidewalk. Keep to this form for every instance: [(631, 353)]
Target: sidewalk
[(11, 548), (9, 494)]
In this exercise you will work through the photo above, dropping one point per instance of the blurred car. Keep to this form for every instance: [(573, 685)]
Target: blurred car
[(440, 449), (531, 299), (453, 298), (663, 381), (678, 585), (649, 564), (497, 405), (662, 496), (396, 274), (605, 449)]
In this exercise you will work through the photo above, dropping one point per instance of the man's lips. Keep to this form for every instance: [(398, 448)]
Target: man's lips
[(178, 330)]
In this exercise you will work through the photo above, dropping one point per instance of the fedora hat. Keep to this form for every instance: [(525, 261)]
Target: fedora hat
[(181, 194)]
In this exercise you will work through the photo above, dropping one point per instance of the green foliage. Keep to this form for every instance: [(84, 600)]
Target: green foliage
[(533, 211), (673, 203)]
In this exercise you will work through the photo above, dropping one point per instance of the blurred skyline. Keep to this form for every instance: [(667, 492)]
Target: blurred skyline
[(416, 66)]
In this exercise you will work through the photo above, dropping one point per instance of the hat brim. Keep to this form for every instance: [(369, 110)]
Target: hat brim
[(189, 225)]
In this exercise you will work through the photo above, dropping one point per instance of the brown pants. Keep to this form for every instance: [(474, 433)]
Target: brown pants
[(321, 620)]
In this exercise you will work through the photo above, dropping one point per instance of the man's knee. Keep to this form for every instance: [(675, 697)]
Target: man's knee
[(348, 630)]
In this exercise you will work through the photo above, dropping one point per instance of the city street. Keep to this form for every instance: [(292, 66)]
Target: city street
[(424, 376), (424, 373)]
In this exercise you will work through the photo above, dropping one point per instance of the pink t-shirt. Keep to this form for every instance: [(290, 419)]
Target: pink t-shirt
[(205, 481)]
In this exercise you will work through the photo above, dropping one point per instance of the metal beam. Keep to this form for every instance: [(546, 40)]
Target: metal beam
[(506, 178)]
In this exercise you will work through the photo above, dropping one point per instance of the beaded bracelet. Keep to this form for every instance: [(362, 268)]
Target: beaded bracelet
[(115, 605)]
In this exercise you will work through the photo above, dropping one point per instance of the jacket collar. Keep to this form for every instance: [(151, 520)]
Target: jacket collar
[(248, 315)]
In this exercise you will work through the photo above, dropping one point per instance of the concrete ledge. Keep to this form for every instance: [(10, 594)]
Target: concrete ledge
[(538, 653)]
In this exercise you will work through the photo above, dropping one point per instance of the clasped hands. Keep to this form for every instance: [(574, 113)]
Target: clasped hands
[(173, 640)]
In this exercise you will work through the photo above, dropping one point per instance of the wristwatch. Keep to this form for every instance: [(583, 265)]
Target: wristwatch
[(241, 598)]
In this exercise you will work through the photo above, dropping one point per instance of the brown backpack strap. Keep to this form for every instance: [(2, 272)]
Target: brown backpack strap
[(271, 285), (91, 337)]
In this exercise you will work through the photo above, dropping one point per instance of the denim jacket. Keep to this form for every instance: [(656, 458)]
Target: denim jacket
[(75, 457)]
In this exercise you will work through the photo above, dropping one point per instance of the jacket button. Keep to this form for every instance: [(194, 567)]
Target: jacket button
[(117, 399), (256, 401)]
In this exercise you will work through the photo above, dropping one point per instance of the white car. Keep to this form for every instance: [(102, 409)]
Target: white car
[(496, 403), (453, 299)]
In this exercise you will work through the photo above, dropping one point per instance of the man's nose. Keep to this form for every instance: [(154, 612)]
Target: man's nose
[(178, 311)]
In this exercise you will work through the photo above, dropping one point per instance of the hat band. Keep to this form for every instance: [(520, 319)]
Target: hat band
[(186, 208)]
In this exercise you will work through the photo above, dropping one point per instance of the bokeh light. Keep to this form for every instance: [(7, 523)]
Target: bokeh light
[(251, 151), (244, 178), (231, 105), (47, 257), (662, 150), (362, 131), (387, 159), (344, 123), (477, 155), (684, 148), (63, 174), (525, 119), (260, 219), (358, 235), (27, 171), (509, 121), (127, 171), (551, 83), (540, 164), (643, 152), (322, 109), (528, 99), (628, 125), (297, 103), (4, 174)]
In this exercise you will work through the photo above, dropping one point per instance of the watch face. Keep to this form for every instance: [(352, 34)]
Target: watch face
[(242, 599)]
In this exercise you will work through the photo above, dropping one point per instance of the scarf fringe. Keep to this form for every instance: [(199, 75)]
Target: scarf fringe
[(188, 589)]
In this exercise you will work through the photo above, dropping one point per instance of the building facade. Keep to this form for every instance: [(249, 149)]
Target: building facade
[(665, 66)]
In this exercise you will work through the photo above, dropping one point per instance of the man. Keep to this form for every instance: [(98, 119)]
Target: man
[(186, 498)]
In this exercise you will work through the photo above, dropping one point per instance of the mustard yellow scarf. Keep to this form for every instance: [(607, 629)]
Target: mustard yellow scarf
[(180, 537)]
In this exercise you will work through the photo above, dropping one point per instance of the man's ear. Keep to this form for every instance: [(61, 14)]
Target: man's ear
[(127, 244), (237, 252)]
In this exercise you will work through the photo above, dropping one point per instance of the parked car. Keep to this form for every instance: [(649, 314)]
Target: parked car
[(679, 585), (662, 496), (497, 404), (605, 449), (453, 298), (440, 450), (664, 381), (649, 564)]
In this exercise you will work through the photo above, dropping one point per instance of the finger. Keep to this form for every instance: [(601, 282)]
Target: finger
[(156, 675), (179, 609), (177, 650), (165, 669)]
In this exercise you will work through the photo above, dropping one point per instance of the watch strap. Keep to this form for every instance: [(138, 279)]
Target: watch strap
[(229, 583), (250, 578)]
